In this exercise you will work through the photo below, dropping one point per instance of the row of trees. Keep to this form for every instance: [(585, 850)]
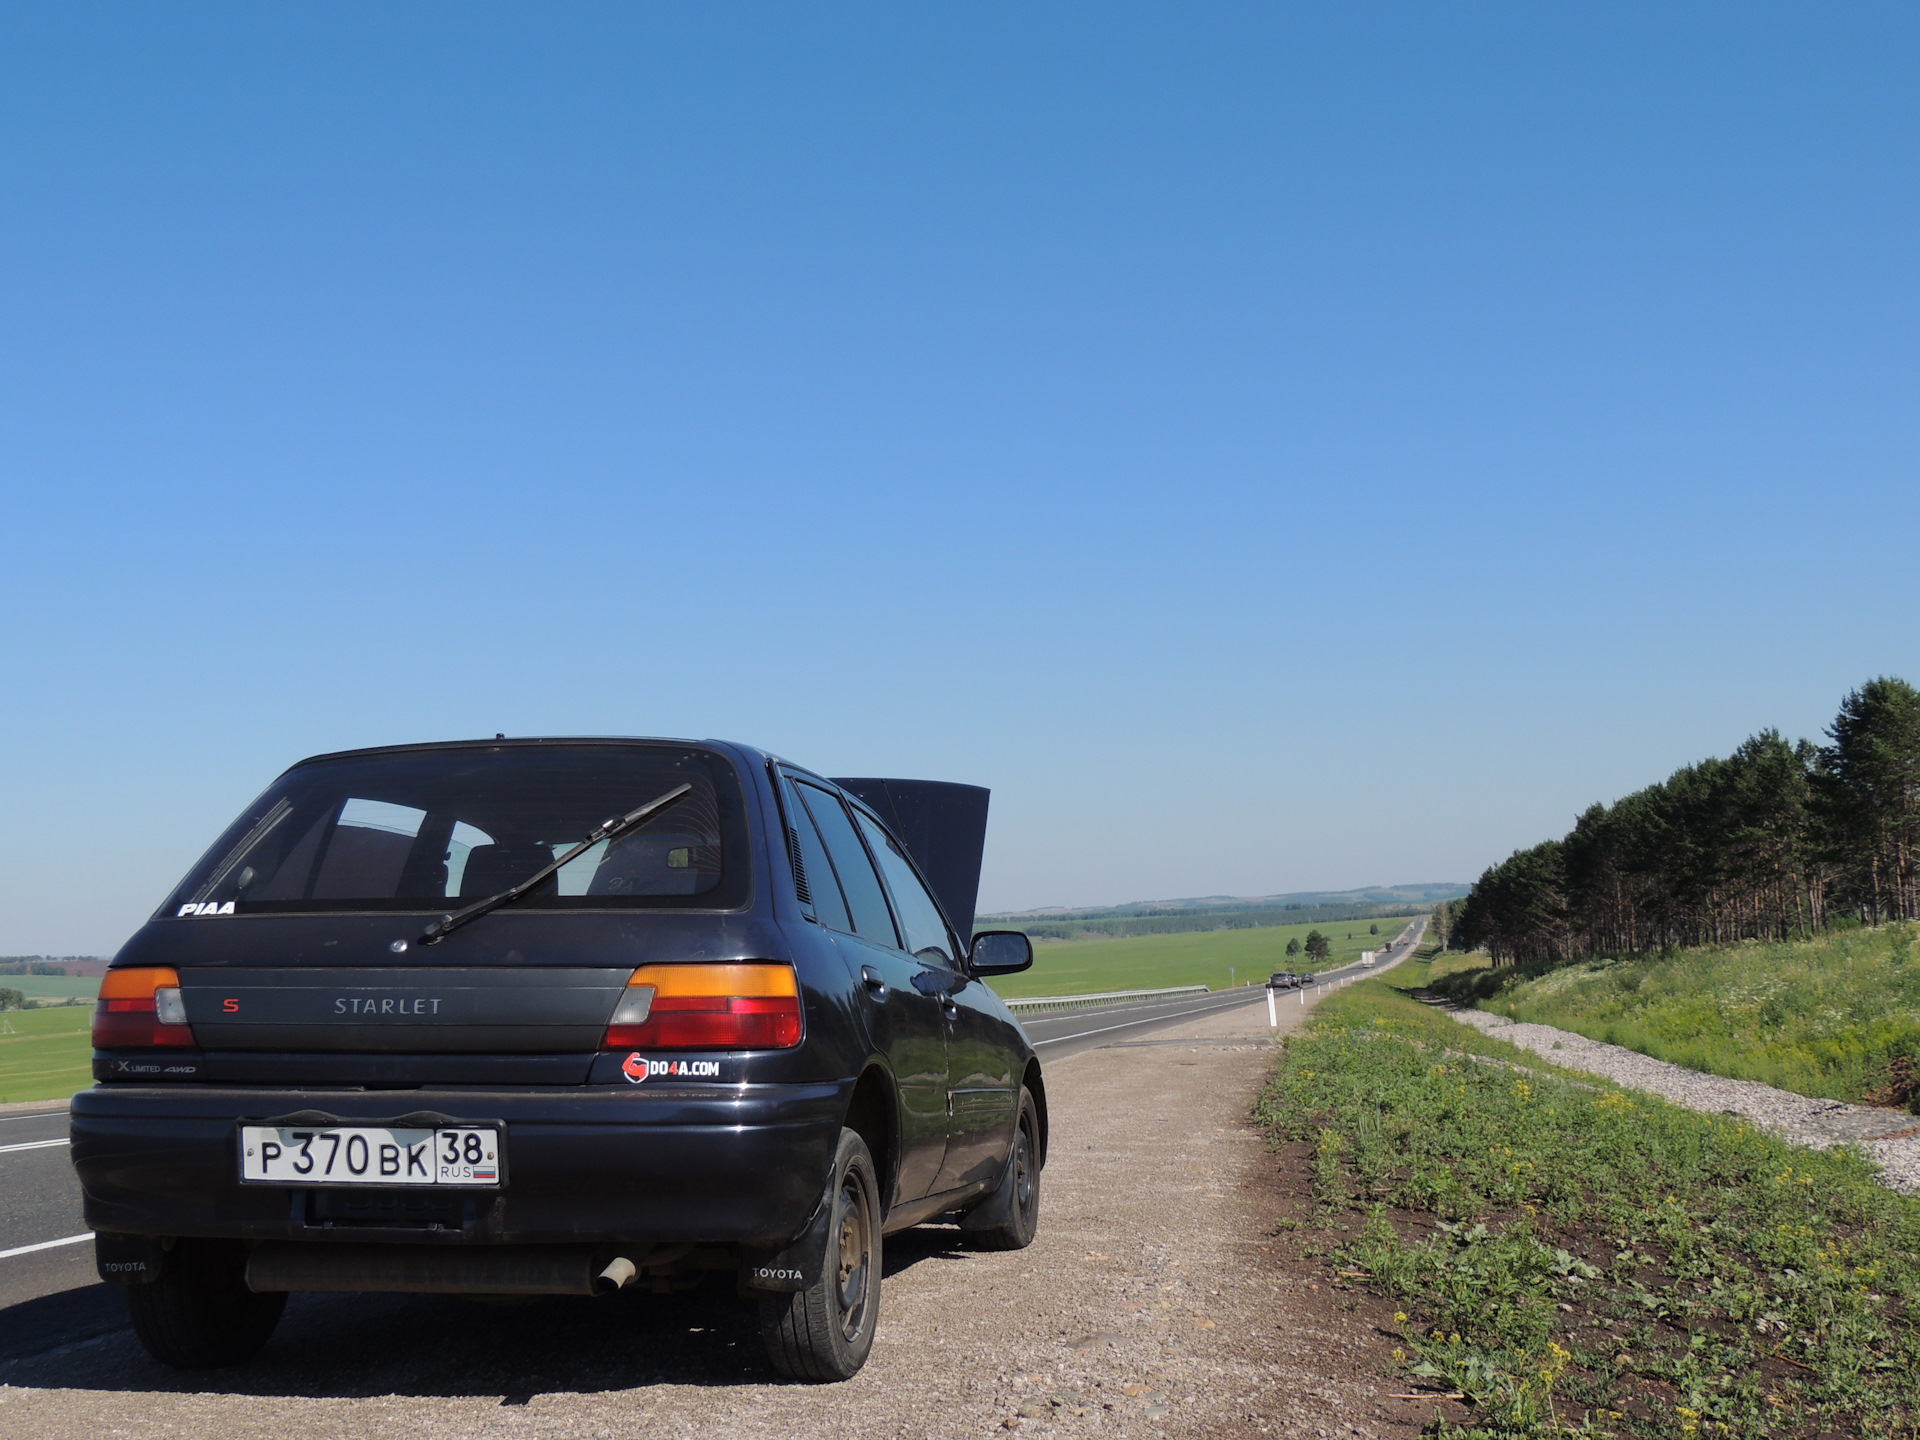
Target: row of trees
[(1777, 840), (1178, 922), (43, 964)]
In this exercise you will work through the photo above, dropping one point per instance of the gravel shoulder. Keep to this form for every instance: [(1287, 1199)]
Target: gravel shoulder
[(1156, 1302), (1890, 1137)]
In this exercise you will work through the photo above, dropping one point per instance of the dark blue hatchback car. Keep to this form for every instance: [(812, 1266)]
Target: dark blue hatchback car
[(557, 1017)]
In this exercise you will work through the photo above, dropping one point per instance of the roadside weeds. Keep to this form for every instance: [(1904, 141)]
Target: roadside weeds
[(1556, 1257)]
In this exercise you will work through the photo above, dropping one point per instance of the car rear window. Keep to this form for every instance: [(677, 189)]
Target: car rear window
[(417, 829)]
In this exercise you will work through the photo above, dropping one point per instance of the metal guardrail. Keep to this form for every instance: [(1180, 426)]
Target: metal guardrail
[(1039, 1004)]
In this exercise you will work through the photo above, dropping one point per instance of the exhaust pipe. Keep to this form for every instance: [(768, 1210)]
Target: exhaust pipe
[(617, 1276), (437, 1269)]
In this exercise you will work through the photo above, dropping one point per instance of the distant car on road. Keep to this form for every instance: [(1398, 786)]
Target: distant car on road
[(1286, 980), (424, 1020)]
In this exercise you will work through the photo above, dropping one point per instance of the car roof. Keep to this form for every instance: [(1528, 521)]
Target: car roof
[(530, 741)]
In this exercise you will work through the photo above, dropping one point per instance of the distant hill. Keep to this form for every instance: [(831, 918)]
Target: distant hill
[(1223, 912), (1431, 894)]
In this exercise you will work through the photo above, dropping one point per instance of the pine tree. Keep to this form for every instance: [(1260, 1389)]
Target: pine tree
[(1872, 783)]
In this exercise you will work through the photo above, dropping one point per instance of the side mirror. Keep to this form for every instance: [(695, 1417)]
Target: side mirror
[(1000, 952)]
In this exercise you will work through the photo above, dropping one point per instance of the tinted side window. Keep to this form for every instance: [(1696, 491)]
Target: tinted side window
[(815, 871), (865, 898), (919, 916)]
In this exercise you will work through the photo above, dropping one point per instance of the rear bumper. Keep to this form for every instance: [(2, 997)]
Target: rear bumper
[(742, 1165)]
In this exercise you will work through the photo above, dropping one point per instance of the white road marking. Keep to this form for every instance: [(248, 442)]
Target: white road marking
[(1082, 1034), (1242, 994), (44, 1245), (32, 1145)]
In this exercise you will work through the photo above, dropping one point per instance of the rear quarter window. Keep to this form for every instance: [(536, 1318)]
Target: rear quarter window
[(865, 899)]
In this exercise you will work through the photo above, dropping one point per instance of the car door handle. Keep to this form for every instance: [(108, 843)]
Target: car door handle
[(871, 978)]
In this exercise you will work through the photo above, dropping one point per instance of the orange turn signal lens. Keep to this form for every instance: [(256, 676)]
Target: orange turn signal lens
[(139, 1009), (747, 1006)]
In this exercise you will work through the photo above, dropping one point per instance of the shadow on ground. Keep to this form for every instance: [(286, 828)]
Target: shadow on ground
[(349, 1346)]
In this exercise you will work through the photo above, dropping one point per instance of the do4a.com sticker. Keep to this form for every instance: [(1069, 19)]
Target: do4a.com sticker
[(637, 1068)]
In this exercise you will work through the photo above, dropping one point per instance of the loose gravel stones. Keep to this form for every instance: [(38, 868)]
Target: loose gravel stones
[(1890, 1137)]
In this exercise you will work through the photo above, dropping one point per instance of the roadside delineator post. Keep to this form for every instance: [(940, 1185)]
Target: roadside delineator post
[(1273, 1015)]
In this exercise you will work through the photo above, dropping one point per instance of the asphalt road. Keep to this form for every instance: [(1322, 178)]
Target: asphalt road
[(1067, 1032), (47, 1296), (50, 1297)]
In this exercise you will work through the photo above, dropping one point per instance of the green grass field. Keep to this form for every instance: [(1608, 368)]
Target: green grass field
[(1580, 1260), (45, 1054), (53, 987), (1204, 957), (1826, 1017)]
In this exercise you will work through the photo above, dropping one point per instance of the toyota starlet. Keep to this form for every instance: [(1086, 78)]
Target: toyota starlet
[(551, 1017)]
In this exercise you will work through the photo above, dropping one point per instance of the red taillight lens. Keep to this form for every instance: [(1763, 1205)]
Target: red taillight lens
[(140, 1009), (708, 1007)]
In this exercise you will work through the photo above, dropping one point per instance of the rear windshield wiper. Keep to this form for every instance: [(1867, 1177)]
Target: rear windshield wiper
[(619, 825)]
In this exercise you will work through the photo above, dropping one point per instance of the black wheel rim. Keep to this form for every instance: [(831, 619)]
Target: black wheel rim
[(1026, 1182), (854, 1260)]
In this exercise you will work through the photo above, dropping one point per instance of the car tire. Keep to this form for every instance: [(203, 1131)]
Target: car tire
[(199, 1314), (825, 1332), (1022, 1207)]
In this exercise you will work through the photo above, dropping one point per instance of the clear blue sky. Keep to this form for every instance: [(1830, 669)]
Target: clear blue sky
[(1274, 448)]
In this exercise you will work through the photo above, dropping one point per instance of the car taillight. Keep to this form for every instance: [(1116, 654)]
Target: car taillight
[(707, 1007), (139, 1009)]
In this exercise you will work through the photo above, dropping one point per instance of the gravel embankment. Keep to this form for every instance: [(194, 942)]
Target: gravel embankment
[(1890, 1137)]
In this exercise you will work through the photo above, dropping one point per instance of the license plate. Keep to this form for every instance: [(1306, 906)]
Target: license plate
[(369, 1155)]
